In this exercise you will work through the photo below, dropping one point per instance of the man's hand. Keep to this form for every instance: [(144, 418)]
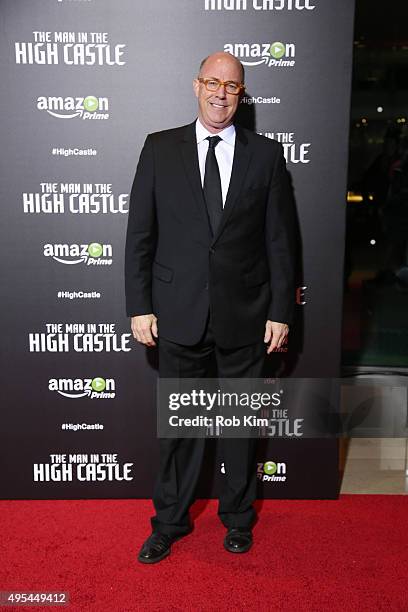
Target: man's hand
[(276, 335), (144, 327)]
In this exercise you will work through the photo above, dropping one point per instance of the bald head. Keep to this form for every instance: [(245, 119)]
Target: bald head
[(221, 59), (216, 104)]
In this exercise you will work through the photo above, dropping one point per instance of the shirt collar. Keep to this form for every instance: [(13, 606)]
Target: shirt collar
[(227, 134)]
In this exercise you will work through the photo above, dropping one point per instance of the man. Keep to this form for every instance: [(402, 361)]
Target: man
[(209, 274)]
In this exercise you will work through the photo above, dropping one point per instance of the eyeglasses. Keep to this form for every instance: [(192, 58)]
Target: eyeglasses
[(230, 86)]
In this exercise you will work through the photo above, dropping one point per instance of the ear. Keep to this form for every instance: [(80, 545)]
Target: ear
[(196, 87)]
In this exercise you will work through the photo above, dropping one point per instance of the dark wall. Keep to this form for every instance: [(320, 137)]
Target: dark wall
[(83, 82)]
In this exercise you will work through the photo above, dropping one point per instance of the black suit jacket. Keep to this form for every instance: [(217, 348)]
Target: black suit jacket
[(174, 266)]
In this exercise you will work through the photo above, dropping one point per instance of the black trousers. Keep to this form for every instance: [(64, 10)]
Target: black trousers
[(181, 458)]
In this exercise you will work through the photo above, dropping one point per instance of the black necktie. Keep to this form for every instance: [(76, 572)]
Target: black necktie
[(212, 184)]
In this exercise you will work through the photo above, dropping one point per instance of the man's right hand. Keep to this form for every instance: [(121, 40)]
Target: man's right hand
[(144, 327)]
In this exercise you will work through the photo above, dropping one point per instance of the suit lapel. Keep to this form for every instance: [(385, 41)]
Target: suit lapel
[(190, 160), (242, 156)]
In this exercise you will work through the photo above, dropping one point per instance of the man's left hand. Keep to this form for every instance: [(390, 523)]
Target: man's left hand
[(275, 335)]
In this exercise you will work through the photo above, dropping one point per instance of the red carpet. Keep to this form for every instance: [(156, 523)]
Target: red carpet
[(349, 555)]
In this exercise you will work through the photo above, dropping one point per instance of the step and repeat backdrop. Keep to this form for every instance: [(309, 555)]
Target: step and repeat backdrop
[(83, 82)]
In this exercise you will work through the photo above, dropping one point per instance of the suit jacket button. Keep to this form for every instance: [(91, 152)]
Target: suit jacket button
[(206, 286), (212, 250)]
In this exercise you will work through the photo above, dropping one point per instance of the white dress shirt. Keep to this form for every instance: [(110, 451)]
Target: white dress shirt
[(224, 152)]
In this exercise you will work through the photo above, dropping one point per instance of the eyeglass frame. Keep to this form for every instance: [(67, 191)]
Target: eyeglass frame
[(203, 80)]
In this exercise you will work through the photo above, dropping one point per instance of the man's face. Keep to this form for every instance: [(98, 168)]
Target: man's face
[(216, 110)]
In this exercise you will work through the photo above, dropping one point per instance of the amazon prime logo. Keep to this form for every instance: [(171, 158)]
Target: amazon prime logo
[(275, 54), (92, 254), (88, 107)]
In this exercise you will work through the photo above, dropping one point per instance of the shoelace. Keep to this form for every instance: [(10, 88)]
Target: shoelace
[(159, 541)]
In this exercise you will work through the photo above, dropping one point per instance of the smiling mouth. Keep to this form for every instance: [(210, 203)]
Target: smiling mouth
[(218, 105)]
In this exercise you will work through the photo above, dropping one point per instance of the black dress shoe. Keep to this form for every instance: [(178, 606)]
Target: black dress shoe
[(238, 540), (156, 548)]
